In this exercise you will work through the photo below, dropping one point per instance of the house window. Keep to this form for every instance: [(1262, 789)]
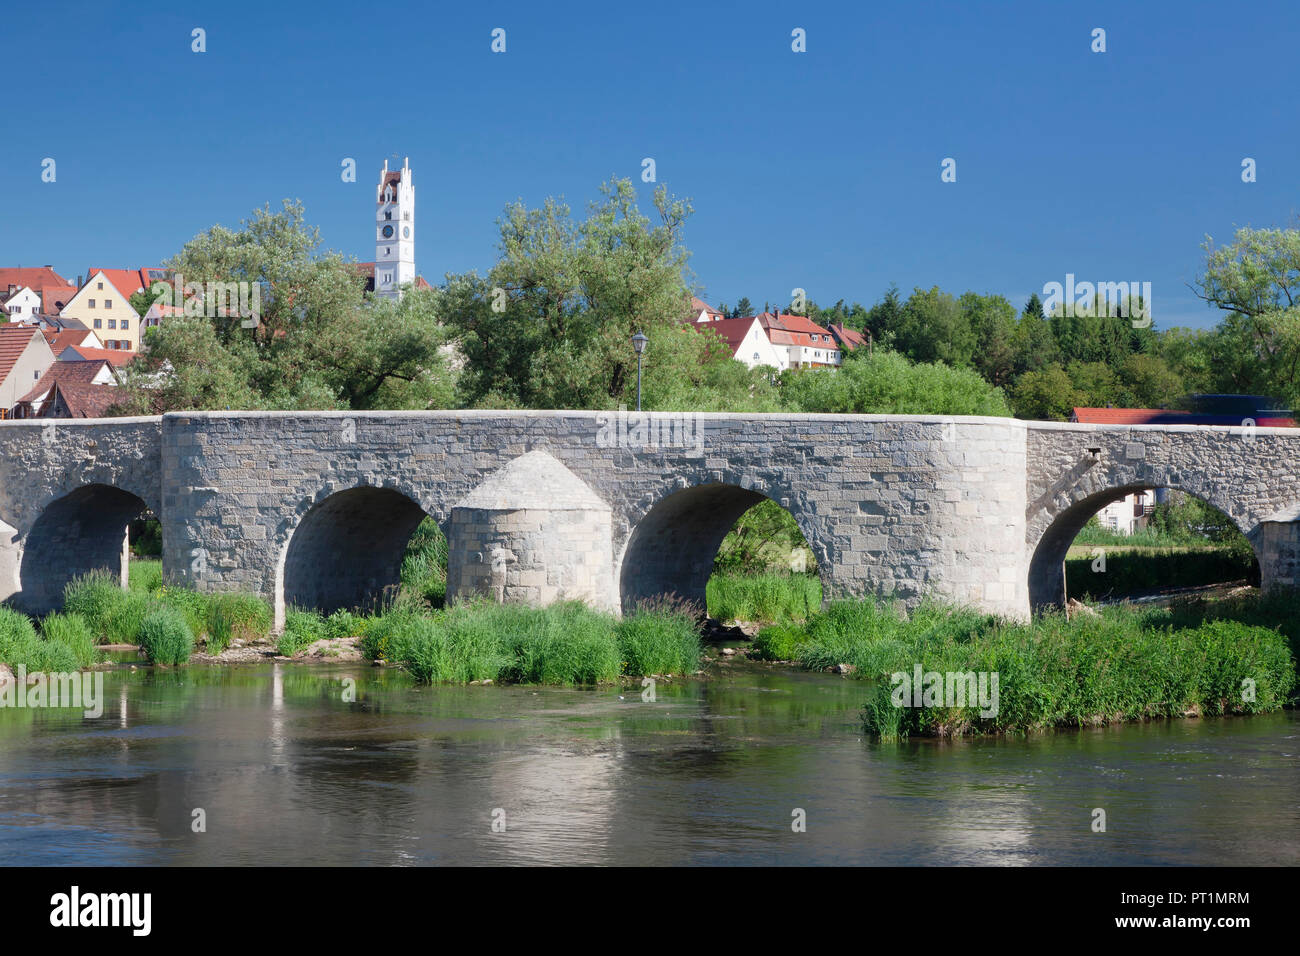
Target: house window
[(90, 304), (99, 323), (125, 324), (108, 303), (112, 323), (388, 214), (99, 286)]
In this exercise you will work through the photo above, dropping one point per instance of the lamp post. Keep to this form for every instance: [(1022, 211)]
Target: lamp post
[(638, 343)]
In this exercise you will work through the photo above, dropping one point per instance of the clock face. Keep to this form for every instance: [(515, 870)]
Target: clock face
[(387, 232), (406, 232)]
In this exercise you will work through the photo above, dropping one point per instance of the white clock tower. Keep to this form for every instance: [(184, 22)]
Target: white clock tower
[(394, 231)]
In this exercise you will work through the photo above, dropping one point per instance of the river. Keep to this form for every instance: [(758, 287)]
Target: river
[(286, 770)]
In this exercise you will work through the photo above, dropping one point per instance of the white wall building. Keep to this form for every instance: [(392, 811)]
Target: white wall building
[(20, 304)]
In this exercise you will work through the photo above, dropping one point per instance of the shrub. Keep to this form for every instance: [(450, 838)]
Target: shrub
[(344, 624), (779, 642), (192, 604), (301, 630), (166, 637), (236, 616)]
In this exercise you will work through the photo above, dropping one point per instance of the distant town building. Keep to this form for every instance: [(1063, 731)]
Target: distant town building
[(24, 358)]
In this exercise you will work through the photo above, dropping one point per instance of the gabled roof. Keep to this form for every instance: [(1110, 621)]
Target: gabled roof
[(14, 339), (60, 339), (849, 338), (54, 297), (85, 401), (114, 357), (127, 281), (6, 295), (699, 305), (66, 373), (732, 330), (30, 276)]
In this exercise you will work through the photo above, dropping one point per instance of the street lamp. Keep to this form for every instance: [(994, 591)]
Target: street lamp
[(638, 342)]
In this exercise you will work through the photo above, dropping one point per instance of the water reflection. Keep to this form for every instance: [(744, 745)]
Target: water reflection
[(291, 770)]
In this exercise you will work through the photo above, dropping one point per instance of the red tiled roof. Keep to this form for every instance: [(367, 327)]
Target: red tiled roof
[(33, 277), (699, 305), (87, 401), (66, 373), (55, 296), (847, 337), (14, 339), (732, 330), (60, 339), (1167, 416), (114, 357), (127, 281)]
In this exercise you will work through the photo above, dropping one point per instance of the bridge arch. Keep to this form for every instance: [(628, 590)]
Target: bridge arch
[(671, 549), (83, 530), (1061, 524), (346, 549)]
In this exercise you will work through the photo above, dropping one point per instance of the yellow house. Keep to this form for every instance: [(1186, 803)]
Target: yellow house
[(104, 305)]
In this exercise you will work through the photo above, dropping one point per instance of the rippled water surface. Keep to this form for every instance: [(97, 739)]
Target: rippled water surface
[(289, 772)]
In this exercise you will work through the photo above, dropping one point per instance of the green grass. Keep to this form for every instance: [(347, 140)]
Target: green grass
[(60, 648), (235, 616), (561, 644), (145, 575), (1120, 665), (763, 597), (302, 628), (659, 640), (166, 638), (424, 566)]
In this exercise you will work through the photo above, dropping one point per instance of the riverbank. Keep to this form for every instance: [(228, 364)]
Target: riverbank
[(944, 671), (939, 671)]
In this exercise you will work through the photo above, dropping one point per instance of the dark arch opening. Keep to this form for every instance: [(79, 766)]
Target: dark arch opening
[(349, 548), (85, 530), (1047, 566), (672, 549)]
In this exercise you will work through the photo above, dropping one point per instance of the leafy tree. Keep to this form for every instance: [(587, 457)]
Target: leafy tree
[(888, 383), (1044, 395), (1256, 280), (316, 343), (992, 321), (1147, 381), (572, 296), (933, 327)]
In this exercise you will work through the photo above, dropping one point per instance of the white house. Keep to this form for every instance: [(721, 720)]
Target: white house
[(20, 303), (748, 341)]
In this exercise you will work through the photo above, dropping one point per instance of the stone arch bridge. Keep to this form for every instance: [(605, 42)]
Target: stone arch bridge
[(315, 508)]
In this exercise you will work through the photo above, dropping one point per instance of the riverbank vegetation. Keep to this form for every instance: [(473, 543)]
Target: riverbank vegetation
[(1120, 664)]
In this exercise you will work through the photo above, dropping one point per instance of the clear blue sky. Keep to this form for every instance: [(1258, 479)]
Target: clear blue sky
[(818, 170)]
